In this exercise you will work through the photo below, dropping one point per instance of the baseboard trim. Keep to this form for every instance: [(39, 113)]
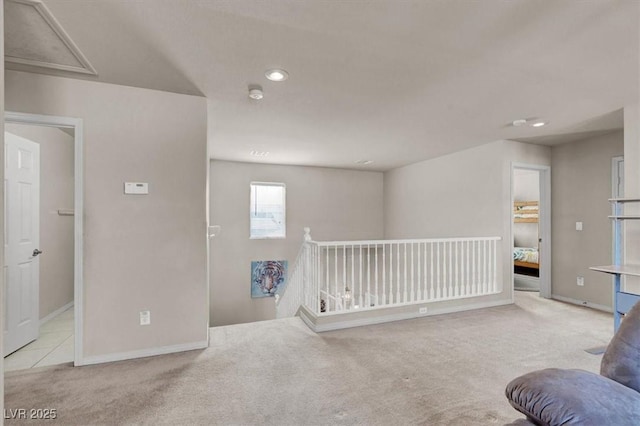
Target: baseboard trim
[(143, 353), (55, 313), (307, 318), (397, 317), (586, 304)]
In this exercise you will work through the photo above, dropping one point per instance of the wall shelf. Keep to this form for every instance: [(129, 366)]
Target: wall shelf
[(633, 270), (622, 302)]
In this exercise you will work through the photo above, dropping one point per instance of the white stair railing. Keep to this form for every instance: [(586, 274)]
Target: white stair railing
[(339, 276), (301, 286)]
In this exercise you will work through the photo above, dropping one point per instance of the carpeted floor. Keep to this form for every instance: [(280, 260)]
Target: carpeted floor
[(441, 370)]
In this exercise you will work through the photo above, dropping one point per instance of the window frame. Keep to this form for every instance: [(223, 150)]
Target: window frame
[(284, 210)]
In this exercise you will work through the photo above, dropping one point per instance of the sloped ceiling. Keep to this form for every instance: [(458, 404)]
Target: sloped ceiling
[(391, 81)]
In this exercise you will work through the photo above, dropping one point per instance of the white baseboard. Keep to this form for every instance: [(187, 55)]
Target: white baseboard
[(142, 353), (582, 303), (302, 313), (55, 313), (397, 317)]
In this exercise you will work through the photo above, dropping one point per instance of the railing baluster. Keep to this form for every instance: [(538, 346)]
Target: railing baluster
[(398, 274), (377, 289), (404, 292), (391, 274), (495, 266), (353, 274), (484, 281), (412, 295), (360, 265), (419, 281), (384, 274), (450, 273), (438, 293), (431, 292), (344, 269), (368, 298)]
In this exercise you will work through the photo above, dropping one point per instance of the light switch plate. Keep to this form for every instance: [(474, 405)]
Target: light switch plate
[(578, 226), (136, 188)]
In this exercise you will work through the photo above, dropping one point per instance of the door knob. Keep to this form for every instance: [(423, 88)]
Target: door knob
[(36, 252)]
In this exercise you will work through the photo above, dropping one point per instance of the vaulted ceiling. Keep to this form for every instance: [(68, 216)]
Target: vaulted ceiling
[(385, 80)]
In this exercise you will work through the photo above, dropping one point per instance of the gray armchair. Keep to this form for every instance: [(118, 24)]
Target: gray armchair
[(577, 397)]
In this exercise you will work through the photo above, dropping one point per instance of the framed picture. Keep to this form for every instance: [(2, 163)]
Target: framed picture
[(267, 276)]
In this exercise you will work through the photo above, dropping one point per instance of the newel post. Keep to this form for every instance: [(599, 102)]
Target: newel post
[(306, 280)]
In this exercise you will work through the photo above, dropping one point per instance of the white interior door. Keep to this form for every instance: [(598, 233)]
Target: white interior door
[(21, 233)]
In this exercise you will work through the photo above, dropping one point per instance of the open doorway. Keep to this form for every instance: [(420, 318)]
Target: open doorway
[(43, 240), (530, 225), (526, 230)]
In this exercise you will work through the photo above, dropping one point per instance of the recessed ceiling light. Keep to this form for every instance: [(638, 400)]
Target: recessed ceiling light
[(364, 162), (539, 124), (259, 153), (276, 74), (519, 122)]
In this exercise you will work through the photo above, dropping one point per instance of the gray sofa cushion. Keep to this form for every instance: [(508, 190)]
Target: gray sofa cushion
[(621, 361), (573, 397)]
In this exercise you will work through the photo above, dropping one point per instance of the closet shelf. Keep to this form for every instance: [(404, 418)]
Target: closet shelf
[(625, 217)]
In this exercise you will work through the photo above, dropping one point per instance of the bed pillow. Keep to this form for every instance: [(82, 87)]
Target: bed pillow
[(573, 397)]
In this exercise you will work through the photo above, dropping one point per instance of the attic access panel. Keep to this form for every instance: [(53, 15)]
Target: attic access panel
[(34, 37)]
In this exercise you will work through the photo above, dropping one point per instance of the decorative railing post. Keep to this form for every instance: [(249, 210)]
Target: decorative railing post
[(306, 268)]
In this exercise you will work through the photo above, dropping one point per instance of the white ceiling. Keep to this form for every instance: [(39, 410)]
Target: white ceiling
[(391, 81)]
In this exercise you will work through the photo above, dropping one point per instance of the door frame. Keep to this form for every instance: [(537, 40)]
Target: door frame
[(78, 179), (544, 223)]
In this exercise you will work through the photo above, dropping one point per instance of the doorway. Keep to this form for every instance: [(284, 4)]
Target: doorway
[(530, 228), (54, 304)]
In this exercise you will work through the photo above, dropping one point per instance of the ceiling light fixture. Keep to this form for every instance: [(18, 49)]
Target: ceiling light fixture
[(519, 122), (364, 162), (539, 124), (259, 153), (255, 93), (276, 74)]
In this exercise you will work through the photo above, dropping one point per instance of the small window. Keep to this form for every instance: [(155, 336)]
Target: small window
[(267, 211)]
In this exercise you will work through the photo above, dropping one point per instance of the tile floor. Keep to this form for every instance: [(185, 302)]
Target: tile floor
[(54, 346)]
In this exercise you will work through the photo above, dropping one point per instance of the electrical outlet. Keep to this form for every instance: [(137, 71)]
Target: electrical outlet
[(423, 310), (145, 317), (580, 281)]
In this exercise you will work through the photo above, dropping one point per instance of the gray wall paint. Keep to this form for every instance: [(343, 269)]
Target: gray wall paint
[(56, 232), (141, 252), (335, 204), (466, 194), (581, 174), (632, 190), (2, 208)]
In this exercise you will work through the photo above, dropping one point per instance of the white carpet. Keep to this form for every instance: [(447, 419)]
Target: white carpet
[(441, 370)]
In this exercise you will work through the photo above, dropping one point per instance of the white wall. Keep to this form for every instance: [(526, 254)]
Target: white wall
[(140, 252), (465, 194), (335, 204), (581, 187), (56, 232)]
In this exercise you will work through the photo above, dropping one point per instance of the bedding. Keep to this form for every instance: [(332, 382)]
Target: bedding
[(525, 254)]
